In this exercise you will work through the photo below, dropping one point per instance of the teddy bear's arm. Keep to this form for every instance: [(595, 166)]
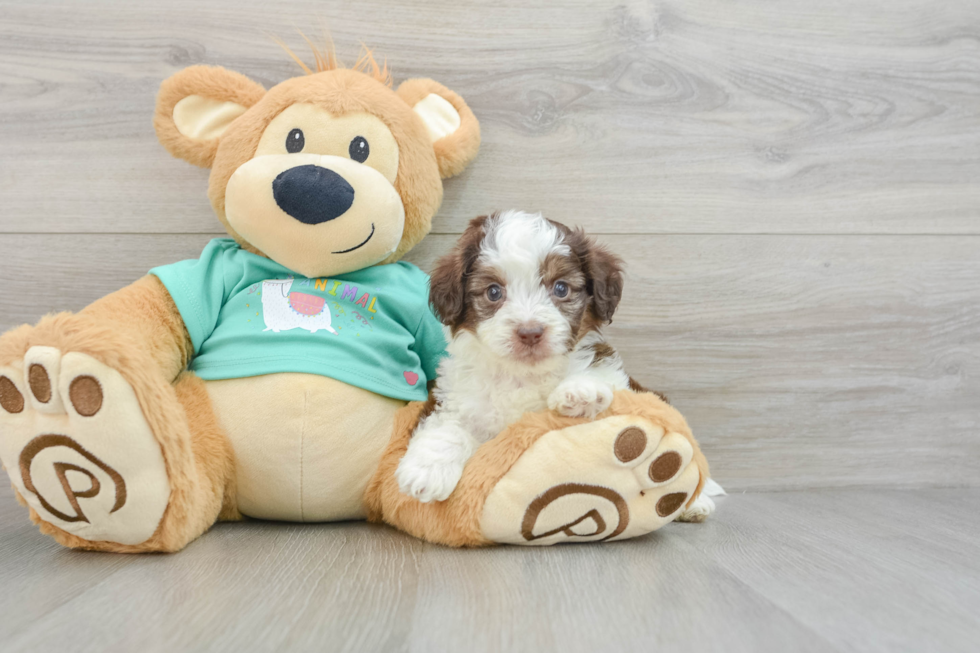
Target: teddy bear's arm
[(146, 315)]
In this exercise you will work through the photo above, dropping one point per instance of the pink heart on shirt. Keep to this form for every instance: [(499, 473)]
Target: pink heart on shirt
[(411, 377)]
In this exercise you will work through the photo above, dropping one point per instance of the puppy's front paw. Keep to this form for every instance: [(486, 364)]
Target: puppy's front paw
[(430, 469), (427, 480), (581, 397), (698, 511)]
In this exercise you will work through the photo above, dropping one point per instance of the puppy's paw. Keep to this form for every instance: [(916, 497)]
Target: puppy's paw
[(434, 462), (581, 397), (427, 480), (698, 511)]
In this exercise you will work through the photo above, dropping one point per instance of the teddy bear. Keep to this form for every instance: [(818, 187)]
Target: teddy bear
[(280, 375)]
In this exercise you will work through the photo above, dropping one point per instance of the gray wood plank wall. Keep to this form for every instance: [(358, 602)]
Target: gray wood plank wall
[(794, 185)]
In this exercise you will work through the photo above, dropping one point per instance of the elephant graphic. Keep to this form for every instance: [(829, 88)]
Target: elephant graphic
[(283, 310)]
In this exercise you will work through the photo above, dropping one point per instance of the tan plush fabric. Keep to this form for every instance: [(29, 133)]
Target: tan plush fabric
[(440, 117), (305, 446), (294, 446), (376, 214), (216, 118), (330, 135), (454, 522), (145, 312), (205, 119), (421, 163), (570, 485), (339, 92), (459, 521), (213, 83), (455, 151), (136, 343), (67, 461)]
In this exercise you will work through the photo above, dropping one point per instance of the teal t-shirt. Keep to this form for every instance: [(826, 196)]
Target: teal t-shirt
[(248, 315)]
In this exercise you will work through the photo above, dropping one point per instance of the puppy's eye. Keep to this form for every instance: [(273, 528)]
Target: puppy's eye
[(359, 149), (560, 289), (295, 141), (495, 293)]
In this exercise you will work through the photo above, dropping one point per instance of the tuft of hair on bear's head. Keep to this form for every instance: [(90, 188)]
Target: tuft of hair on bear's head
[(419, 135), (325, 59)]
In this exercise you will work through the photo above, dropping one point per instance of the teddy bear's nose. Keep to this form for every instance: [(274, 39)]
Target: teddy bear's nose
[(312, 194)]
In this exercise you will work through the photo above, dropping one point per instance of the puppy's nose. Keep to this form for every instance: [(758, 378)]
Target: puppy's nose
[(531, 334)]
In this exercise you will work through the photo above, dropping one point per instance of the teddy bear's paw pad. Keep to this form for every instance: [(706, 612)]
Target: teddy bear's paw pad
[(615, 478), (41, 371), (77, 447)]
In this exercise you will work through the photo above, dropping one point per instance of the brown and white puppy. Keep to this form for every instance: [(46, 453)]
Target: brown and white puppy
[(524, 298)]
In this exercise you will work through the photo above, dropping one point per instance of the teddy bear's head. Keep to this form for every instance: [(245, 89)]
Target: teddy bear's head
[(326, 173)]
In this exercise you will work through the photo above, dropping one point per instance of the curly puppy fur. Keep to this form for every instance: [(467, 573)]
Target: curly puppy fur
[(524, 298)]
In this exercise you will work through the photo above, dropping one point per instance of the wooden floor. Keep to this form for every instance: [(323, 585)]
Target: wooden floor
[(828, 570), (795, 187)]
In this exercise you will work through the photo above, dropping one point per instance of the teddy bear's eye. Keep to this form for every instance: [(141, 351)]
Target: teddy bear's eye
[(359, 149), (295, 141)]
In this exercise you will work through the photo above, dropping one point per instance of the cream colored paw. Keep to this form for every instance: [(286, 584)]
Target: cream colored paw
[(615, 478), (77, 447), (433, 464), (581, 397), (704, 506), (698, 511), (427, 480)]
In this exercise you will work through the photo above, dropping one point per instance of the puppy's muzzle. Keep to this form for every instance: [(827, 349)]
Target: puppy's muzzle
[(312, 194)]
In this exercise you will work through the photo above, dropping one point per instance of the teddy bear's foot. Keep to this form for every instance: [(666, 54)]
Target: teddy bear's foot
[(549, 479), (611, 479), (78, 449)]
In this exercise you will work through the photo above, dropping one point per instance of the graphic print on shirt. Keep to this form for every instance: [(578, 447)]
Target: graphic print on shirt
[(369, 328), (283, 310)]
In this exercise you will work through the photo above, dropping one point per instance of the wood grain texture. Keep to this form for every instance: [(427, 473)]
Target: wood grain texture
[(813, 361), (794, 188), (626, 117), (837, 570)]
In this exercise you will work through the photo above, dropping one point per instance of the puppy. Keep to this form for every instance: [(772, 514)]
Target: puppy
[(524, 299)]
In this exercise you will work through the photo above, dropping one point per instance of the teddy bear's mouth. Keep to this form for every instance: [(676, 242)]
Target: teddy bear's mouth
[(370, 235)]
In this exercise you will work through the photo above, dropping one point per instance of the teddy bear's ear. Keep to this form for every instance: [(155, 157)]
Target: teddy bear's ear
[(453, 128), (196, 105)]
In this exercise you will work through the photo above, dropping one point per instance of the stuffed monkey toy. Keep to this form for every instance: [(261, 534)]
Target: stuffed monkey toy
[(280, 375)]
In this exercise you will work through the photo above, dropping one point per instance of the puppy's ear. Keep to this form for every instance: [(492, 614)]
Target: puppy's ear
[(447, 286), (607, 281), (603, 274)]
